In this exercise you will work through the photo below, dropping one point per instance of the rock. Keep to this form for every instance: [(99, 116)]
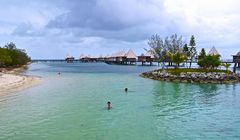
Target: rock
[(192, 77)]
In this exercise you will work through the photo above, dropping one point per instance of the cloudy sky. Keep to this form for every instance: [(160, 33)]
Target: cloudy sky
[(54, 28)]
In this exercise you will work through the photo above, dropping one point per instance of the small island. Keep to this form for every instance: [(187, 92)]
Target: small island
[(175, 52), (193, 76)]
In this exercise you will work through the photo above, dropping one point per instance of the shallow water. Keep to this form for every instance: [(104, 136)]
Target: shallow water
[(73, 106)]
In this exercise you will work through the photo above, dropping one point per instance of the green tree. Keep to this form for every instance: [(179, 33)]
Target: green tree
[(214, 61), (157, 48), (10, 46), (202, 54), (5, 58), (10, 56), (208, 61), (185, 50), (226, 65), (160, 47), (177, 58), (192, 41), (202, 58), (192, 50)]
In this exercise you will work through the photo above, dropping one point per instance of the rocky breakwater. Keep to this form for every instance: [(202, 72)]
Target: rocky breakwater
[(193, 77)]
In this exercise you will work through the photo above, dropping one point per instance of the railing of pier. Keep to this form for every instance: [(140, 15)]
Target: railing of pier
[(227, 61)]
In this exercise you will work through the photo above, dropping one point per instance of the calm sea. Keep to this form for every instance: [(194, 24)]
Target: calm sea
[(72, 106)]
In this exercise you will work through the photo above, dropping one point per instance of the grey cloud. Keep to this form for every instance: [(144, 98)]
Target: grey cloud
[(120, 19), (27, 29), (96, 14)]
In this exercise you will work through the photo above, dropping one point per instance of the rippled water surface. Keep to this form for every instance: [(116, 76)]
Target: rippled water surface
[(73, 106)]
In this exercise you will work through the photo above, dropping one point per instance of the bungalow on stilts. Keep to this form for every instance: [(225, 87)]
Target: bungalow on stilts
[(146, 58), (236, 60)]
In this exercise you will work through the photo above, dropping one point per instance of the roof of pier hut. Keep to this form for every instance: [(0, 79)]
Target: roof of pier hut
[(130, 54), (69, 56), (238, 54), (119, 54), (149, 53), (82, 56), (213, 51)]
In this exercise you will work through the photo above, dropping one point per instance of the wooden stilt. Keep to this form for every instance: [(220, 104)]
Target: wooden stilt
[(234, 68)]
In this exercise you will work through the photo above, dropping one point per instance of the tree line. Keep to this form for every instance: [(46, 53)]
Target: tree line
[(11, 56), (174, 50)]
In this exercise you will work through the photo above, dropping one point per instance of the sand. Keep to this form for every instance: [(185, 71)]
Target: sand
[(15, 82)]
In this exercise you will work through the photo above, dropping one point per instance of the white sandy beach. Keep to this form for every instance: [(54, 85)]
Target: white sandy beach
[(13, 82)]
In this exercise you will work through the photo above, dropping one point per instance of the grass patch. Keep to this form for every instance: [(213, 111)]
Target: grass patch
[(185, 70)]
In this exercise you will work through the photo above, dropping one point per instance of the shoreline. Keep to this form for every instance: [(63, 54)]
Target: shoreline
[(13, 80)]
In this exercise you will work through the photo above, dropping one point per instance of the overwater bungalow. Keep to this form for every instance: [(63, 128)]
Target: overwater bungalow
[(131, 58), (69, 58), (146, 58), (106, 57), (122, 58), (117, 58), (236, 61), (88, 58), (100, 59)]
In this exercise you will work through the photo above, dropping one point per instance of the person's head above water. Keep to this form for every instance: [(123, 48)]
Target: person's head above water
[(109, 105), (126, 89)]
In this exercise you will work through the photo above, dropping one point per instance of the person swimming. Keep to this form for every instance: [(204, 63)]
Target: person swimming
[(109, 105), (126, 89)]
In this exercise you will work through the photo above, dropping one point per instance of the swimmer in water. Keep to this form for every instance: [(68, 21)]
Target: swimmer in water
[(126, 89), (109, 105)]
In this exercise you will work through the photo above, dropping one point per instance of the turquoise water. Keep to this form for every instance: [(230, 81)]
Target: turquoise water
[(73, 106)]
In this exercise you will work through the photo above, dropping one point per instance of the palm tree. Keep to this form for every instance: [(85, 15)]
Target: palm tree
[(226, 65)]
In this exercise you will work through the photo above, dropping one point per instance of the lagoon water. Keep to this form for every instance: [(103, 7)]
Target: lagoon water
[(73, 106)]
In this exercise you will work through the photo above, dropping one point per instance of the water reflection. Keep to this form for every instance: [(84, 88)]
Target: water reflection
[(192, 108), (183, 98)]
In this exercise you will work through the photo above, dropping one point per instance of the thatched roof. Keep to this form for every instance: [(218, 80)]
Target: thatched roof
[(82, 56), (149, 53), (119, 54), (130, 54), (238, 54), (68, 56), (213, 51)]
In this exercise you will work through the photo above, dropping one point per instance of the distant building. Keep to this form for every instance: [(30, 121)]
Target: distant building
[(146, 58), (131, 57), (213, 51), (236, 60), (117, 57), (69, 58)]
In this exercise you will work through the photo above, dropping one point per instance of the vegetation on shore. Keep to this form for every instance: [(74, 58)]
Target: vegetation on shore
[(11, 56), (174, 51)]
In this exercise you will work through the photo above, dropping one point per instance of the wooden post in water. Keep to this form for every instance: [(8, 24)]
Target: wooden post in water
[(236, 60), (234, 68)]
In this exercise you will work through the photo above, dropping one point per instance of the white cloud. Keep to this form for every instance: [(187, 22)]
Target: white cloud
[(214, 22)]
